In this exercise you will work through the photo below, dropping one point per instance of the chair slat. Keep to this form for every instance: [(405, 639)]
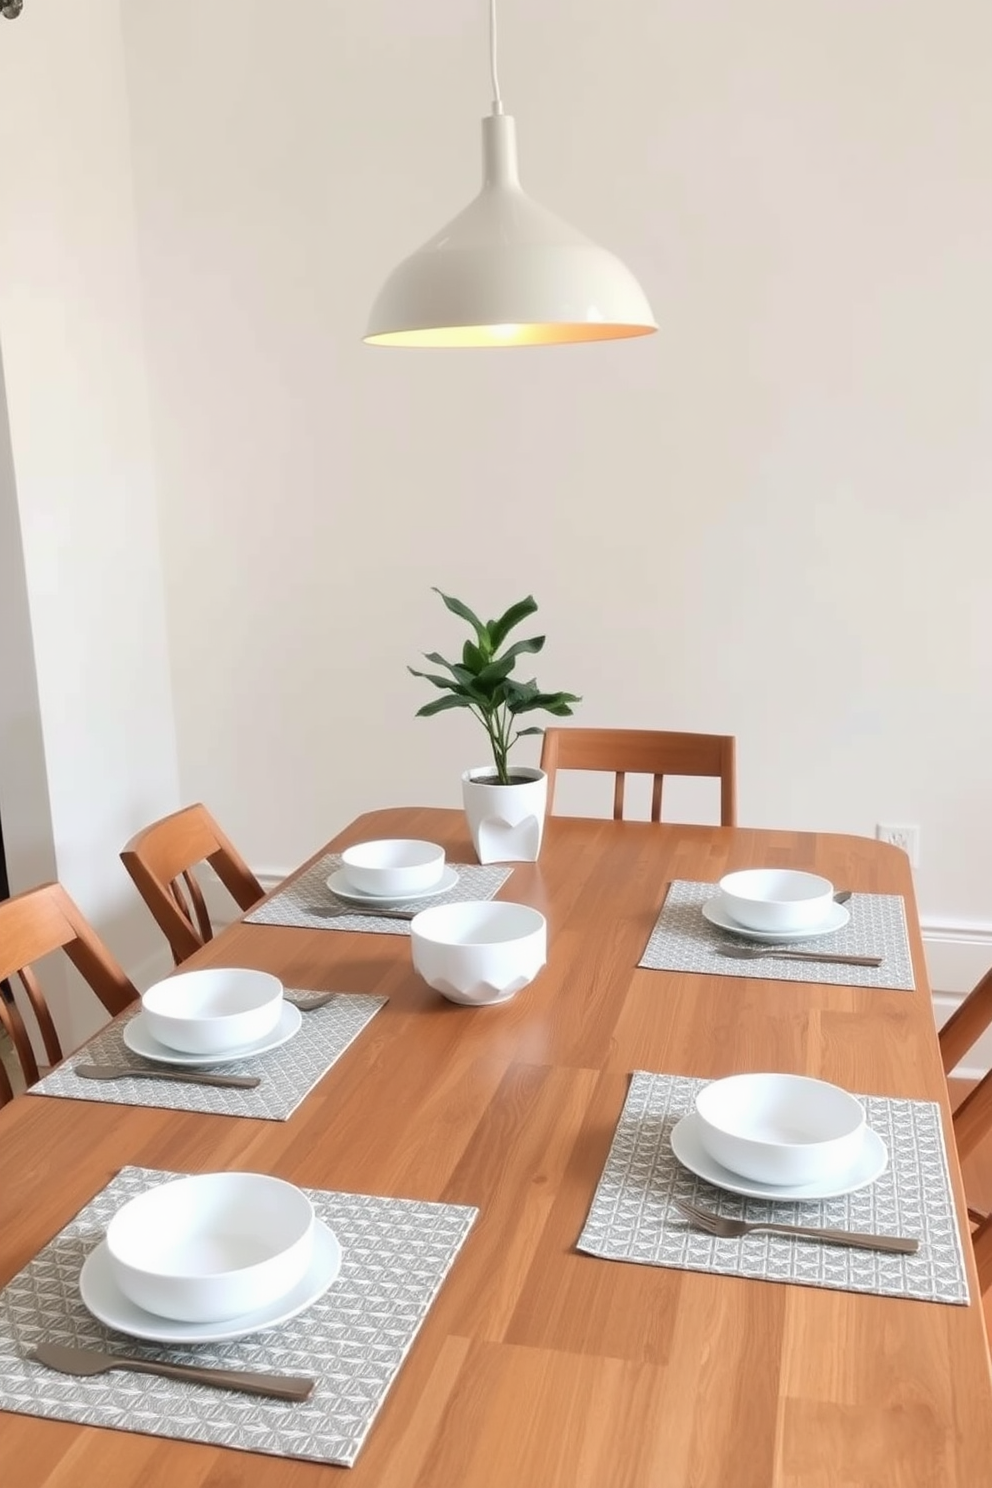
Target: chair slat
[(168, 850), (657, 753)]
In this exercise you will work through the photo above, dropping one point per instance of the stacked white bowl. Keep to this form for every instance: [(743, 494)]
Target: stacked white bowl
[(780, 1129), (213, 1011), (211, 1247), (393, 867), (776, 900)]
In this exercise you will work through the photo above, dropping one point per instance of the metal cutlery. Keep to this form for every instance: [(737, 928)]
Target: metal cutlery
[(339, 911), (842, 896), (84, 1361), (781, 953), (181, 1077), (312, 1003), (732, 1229)]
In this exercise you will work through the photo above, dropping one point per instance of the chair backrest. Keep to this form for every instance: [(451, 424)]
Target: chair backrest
[(644, 752), (32, 925), (972, 1119), (161, 859)]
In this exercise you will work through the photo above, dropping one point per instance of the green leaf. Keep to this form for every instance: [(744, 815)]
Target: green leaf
[(534, 729), (446, 682), (464, 613), (472, 658), (500, 629), (441, 705)]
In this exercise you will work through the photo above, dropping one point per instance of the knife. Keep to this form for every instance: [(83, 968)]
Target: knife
[(181, 1077)]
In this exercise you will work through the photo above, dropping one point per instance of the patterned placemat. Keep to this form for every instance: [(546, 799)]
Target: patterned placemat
[(288, 1073), (395, 1256), (682, 940), (633, 1219), (308, 903)]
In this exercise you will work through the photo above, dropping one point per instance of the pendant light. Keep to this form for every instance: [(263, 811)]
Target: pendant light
[(505, 271)]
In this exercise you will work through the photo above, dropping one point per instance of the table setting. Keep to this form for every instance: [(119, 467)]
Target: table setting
[(377, 887), (318, 1298), (782, 925), (228, 1041), (694, 1165)]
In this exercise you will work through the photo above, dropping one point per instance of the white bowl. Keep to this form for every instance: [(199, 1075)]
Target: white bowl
[(210, 1247), (393, 866), (776, 898), (209, 1012), (479, 952), (780, 1129)]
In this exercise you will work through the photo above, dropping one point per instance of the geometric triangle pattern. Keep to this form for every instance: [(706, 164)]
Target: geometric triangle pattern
[(682, 940), (353, 1340), (632, 1217), (287, 1073), (308, 904)]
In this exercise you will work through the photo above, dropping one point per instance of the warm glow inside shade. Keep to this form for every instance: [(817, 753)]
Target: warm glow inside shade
[(506, 272)]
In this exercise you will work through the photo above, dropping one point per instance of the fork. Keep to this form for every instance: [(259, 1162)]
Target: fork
[(732, 1229), (339, 911), (781, 953)]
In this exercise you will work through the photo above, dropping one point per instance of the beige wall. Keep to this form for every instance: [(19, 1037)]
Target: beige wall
[(772, 518)]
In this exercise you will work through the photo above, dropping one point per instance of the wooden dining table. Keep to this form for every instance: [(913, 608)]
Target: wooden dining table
[(539, 1366)]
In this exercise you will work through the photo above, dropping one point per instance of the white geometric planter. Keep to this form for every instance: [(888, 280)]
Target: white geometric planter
[(506, 821)]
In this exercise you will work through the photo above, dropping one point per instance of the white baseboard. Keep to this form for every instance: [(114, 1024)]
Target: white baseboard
[(958, 955)]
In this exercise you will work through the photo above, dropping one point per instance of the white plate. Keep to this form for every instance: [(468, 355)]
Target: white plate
[(342, 889), (139, 1041), (104, 1299), (691, 1153), (836, 918)]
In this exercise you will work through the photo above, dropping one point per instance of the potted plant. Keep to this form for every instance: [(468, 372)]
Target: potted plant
[(505, 807)]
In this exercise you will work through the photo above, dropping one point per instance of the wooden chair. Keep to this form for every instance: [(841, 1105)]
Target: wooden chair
[(160, 860), (972, 1120), (32, 925), (644, 752)]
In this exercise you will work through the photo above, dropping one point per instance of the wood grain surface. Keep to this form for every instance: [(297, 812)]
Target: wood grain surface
[(539, 1367)]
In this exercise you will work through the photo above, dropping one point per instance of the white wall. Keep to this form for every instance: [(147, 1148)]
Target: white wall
[(772, 518), (99, 721)]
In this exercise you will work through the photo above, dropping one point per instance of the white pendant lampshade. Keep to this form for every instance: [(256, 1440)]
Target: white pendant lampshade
[(507, 272)]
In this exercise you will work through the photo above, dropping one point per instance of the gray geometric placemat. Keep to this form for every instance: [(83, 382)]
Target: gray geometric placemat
[(395, 1256), (288, 1073), (632, 1217), (308, 903), (682, 940)]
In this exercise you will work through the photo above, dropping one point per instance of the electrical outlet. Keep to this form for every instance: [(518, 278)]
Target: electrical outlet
[(908, 838)]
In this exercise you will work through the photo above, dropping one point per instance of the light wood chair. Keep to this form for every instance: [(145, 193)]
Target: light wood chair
[(32, 925), (161, 859), (644, 752), (972, 1119)]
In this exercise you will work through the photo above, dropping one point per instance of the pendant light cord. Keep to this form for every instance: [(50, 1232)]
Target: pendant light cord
[(497, 100)]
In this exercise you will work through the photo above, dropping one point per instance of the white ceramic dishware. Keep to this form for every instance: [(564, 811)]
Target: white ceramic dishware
[(140, 1040), (776, 898), (837, 916), (209, 1247), (479, 952), (207, 1012), (869, 1165), (393, 866), (342, 888), (780, 1129), (103, 1298)]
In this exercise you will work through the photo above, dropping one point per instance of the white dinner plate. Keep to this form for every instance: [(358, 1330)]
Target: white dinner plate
[(104, 1299), (139, 1041), (871, 1164), (835, 919), (342, 889)]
